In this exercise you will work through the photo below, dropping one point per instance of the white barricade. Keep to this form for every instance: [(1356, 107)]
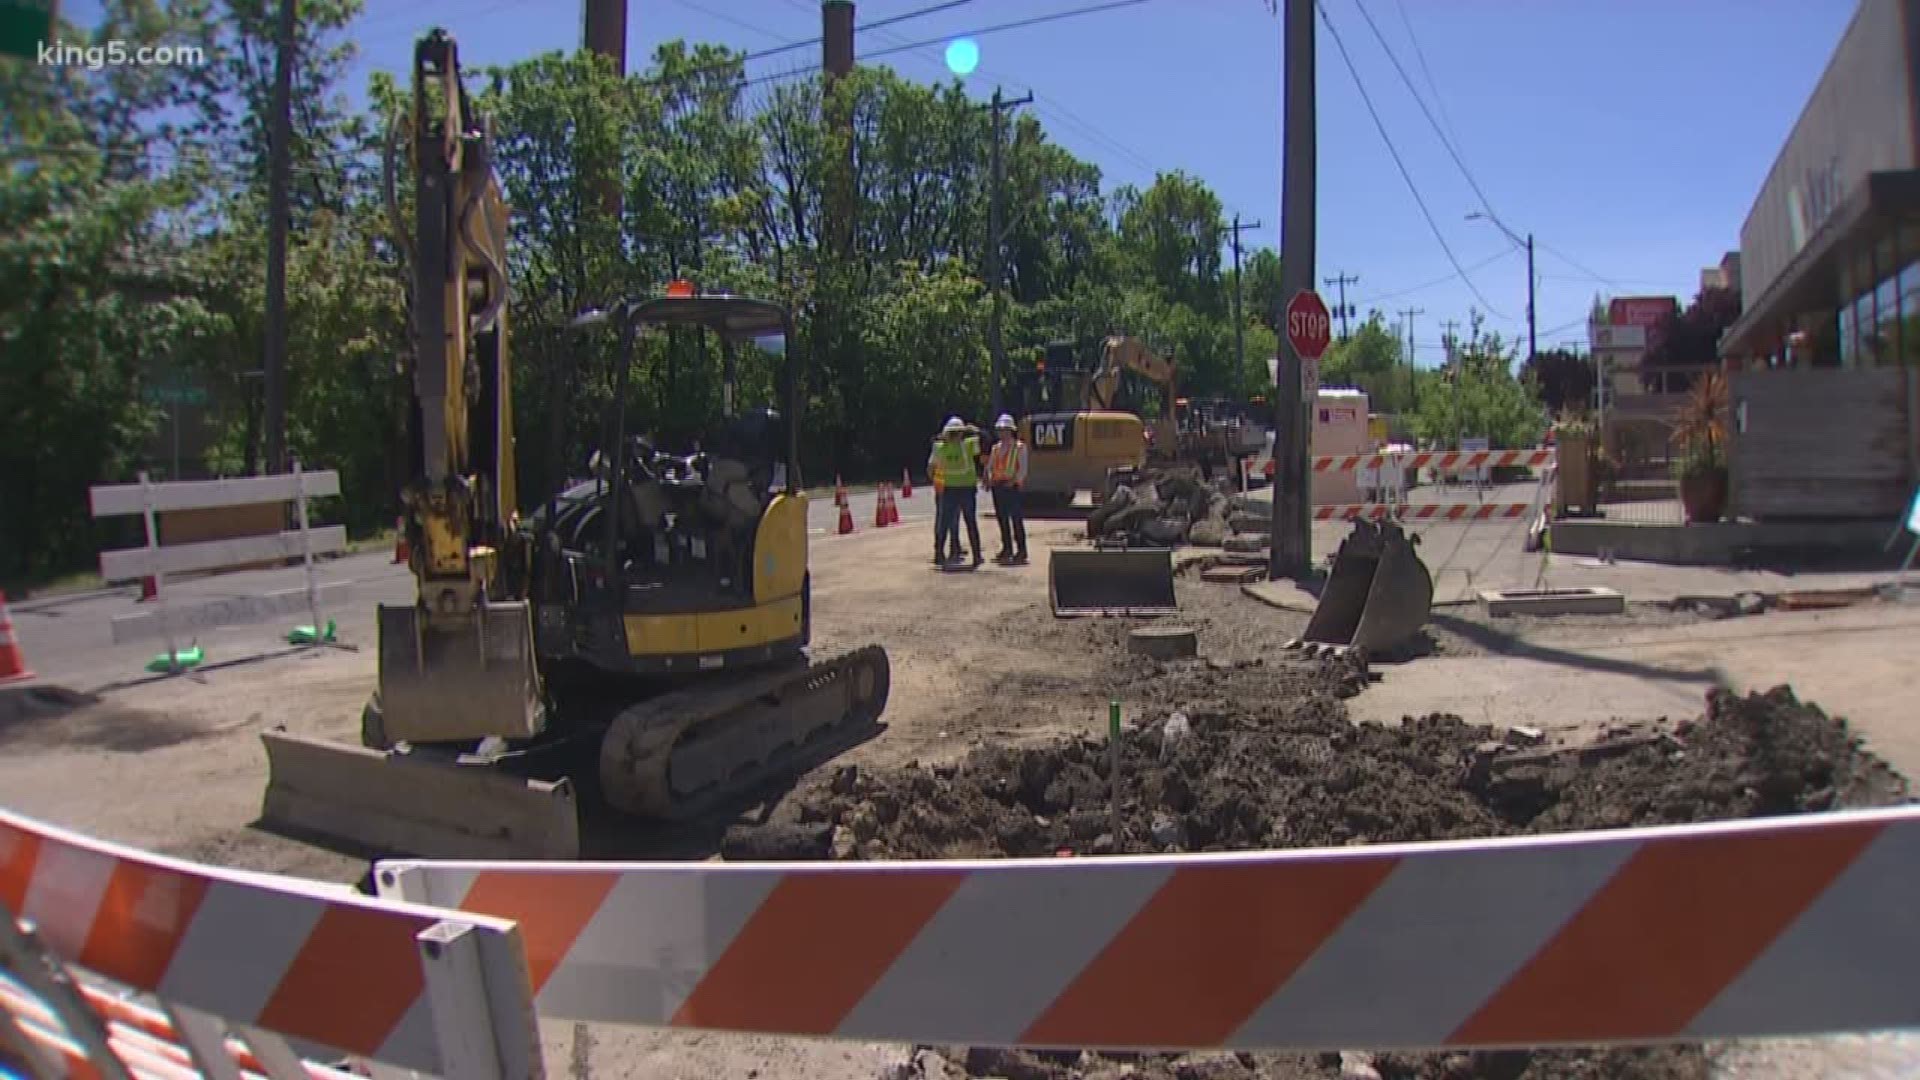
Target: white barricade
[(250, 970), (1782, 926), (153, 561)]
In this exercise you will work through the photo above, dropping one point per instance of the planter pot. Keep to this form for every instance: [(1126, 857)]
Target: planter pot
[(1703, 493)]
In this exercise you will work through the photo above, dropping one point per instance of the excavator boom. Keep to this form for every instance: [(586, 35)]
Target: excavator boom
[(642, 636), (457, 664)]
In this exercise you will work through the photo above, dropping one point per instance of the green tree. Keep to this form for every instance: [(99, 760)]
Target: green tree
[(1372, 359), (1478, 396)]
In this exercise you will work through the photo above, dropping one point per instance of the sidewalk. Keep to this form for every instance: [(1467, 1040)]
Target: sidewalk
[(1638, 582)]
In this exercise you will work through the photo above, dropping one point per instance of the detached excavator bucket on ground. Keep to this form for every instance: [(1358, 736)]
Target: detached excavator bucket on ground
[(1135, 581), (1377, 597)]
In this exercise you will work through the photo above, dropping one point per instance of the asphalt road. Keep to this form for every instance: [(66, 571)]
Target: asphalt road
[(823, 518), (68, 640)]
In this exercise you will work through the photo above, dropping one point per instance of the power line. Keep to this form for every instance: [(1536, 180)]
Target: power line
[(1367, 99), (1485, 204), (1482, 264), (1421, 55), (1604, 280), (912, 46), (1043, 103)]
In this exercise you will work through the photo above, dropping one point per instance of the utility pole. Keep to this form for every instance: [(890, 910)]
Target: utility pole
[(996, 210), (1343, 310), (1408, 314), (603, 31), (279, 162), (1533, 342), (1292, 550), (1239, 321), (1448, 342)]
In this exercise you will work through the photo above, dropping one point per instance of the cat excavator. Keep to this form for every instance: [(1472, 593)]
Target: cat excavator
[(638, 641)]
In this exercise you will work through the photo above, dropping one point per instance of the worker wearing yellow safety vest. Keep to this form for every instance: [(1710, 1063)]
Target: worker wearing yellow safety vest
[(1006, 476), (955, 461), (943, 541)]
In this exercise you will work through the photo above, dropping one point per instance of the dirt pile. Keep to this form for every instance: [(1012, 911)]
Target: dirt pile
[(1241, 755)]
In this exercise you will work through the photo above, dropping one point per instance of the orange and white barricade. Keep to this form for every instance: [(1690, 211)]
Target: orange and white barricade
[(1787, 925), (244, 968)]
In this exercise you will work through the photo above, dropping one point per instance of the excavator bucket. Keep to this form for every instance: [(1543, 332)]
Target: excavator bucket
[(1377, 597), (436, 685), (469, 681), (1111, 582)]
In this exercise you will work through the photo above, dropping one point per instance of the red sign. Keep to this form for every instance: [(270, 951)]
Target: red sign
[(1309, 326), (1644, 311)]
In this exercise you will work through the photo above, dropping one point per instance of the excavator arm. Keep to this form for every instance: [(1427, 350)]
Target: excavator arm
[(1120, 354), (457, 664)]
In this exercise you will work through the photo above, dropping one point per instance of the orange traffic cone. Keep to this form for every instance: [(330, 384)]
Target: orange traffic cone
[(906, 483), (846, 519), (13, 664), (401, 551), (839, 492), (880, 519), (893, 508), (149, 589)]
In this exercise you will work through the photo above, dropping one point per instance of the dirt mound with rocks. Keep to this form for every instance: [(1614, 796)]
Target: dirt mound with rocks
[(1241, 754)]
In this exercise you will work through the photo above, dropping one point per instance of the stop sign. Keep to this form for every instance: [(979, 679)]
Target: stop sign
[(1309, 325)]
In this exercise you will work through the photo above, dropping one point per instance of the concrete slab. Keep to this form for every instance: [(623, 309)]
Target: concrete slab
[(1509, 691), (1853, 663), (1720, 542), (1577, 600)]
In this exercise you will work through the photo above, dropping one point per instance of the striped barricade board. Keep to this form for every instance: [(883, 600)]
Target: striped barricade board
[(1796, 925), (403, 985)]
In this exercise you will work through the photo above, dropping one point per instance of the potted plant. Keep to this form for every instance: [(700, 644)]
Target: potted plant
[(1575, 439), (1701, 432)]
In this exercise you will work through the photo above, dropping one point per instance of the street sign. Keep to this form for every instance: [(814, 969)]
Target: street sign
[(1309, 326)]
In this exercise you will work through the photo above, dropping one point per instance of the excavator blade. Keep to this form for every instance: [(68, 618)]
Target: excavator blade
[(1111, 582), (1377, 597), (440, 685), (406, 804)]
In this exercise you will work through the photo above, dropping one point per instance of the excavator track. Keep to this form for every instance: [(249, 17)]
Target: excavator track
[(680, 755)]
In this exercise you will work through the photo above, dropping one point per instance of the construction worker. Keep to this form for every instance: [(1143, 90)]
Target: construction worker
[(957, 456), (945, 533), (1006, 475)]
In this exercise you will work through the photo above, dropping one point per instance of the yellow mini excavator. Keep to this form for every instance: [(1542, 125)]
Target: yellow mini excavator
[(639, 639)]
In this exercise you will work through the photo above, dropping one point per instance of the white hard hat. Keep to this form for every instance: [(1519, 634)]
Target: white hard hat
[(954, 424), (1005, 422)]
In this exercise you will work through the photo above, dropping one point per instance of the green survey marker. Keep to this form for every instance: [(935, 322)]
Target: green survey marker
[(185, 658), (306, 635)]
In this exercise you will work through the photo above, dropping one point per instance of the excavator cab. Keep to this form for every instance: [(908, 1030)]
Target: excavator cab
[(686, 550)]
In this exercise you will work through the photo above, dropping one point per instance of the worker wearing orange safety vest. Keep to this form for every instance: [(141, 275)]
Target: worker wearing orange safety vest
[(1006, 476)]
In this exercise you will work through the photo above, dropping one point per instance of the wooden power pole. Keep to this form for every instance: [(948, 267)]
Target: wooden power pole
[(996, 247), (279, 209), (1292, 551), (1239, 320)]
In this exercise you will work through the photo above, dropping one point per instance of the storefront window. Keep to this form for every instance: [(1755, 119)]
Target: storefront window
[(1909, 281), (1885, 342)]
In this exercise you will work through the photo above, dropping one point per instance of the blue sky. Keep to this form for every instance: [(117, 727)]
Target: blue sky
[(1630, 136)]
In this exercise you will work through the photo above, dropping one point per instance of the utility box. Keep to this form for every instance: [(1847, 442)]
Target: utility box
[(1339, 427)]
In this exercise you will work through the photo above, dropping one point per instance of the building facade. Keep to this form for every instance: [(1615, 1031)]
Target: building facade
[(1829, 262)]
